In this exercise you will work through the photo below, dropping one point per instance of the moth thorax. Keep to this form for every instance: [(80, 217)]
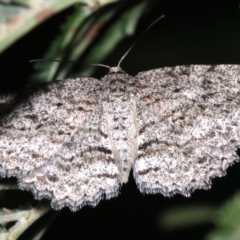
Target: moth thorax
[(123, 131)]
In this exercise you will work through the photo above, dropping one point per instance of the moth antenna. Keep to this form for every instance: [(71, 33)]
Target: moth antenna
[(99, 65), (51, 60), (54, 60), (158, 19)]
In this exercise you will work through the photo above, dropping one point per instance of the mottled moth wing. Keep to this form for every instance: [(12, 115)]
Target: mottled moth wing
[(82, 171), (54, 142), (189, 127)]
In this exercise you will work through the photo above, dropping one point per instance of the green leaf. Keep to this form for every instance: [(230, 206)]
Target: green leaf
[(185, 217), (17, 20), (227, 221)]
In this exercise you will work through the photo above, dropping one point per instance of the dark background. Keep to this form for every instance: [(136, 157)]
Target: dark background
[(192, 32)]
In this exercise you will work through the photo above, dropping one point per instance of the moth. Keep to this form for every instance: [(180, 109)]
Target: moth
[(75, 141)]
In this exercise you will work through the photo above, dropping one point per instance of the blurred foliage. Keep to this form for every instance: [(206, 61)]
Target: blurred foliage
[(227, 221), (186, 216), (22, 218), (16, 19), (20, 16)]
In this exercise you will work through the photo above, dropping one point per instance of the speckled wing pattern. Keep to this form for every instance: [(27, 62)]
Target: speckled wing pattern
[(189, 124), (51, 141), (76, 140)]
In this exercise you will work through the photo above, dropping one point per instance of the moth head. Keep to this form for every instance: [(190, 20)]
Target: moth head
[(115, 70)]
